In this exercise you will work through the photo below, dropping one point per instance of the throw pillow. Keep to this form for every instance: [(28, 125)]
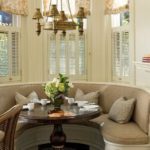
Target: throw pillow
[(20, 99), (121, 110), (91, 97)]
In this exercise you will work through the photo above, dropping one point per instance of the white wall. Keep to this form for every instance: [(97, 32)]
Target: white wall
[(96, 38), (142, 41), (142, 28), (32, 50)]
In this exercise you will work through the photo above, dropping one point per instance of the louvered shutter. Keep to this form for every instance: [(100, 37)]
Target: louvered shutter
[(15, 54), (4, 60), (82, 55), (52, 54), (9, 55), (120, 54), (72, 54), (67, 55), (62, 54)]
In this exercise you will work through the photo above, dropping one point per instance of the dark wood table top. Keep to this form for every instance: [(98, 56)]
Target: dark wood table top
[(70, 114)]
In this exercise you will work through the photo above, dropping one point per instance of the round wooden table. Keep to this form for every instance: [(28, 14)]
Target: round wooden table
[(68, 114)]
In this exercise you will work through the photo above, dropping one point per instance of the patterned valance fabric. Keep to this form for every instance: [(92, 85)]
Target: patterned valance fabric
[(116, 6), (85, 4), (18, 7), (77, 3)]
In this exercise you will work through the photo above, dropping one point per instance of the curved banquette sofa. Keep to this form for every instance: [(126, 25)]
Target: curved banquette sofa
[(100, 133)]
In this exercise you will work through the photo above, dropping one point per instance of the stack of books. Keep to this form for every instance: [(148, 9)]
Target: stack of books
[(146, 58)]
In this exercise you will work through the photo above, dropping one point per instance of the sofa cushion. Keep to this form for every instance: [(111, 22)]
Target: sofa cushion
[(122, 110), (1, 135), (129, 133), (100, 120), (90, 97), (20, 99)]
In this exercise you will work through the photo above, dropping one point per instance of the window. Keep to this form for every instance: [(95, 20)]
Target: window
[(67, 55), (5, 18), (120, 47), (9, 48)]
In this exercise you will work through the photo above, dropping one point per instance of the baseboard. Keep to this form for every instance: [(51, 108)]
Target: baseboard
[(113, 146)]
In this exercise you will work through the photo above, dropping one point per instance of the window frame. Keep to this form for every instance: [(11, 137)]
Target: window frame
[(10, 30), (117, 27), (76, 76), (121, 78)]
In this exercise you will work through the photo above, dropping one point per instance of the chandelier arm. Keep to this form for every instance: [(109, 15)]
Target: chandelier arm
[(50, 4), (61, 4), (57, 3), (70, 10)]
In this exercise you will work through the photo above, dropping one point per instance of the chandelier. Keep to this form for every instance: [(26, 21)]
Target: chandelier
[(59, 21)]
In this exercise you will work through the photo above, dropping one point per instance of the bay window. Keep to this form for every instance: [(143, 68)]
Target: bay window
[(9, 48)]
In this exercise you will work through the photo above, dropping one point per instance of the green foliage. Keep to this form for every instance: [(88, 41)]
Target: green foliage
[(57, 88)]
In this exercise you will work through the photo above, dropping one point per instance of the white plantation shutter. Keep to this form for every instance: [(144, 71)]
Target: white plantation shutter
[(69, 56), (52, 54), (72, 54), (9, 54), (62, 54), (120, 54), (15, 54), (81, 42), (4, 63)]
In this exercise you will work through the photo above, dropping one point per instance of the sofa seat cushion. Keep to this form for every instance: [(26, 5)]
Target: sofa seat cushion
[(101, 119), (129, 133), (2, 134)]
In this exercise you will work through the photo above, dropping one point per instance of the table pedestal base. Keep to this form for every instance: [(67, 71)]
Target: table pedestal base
[(58, 137)]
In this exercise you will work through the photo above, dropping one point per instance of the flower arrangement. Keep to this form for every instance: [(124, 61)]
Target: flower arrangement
[(57, 89)]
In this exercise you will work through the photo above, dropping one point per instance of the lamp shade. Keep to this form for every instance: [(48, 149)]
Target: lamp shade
[(53, 12), (81, 13), (63, 16), (37, 14)]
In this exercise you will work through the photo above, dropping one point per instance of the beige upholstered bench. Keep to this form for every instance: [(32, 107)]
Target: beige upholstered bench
[(133, 135)]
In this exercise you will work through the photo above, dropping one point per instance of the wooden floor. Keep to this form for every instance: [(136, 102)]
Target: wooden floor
[(68, 146)]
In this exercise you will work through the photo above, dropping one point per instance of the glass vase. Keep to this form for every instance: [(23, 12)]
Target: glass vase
[(57, 104)]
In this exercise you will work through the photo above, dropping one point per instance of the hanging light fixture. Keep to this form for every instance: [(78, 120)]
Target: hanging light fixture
[(59, 20)]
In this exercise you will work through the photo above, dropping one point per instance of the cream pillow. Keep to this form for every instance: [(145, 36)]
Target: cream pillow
[(91, 97), (20, 99), (122, 110)]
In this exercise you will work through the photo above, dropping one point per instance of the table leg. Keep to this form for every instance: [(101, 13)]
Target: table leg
[(58, 137)]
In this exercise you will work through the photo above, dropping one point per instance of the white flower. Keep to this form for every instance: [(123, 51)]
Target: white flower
[(57, 83), (70, 85), (55, 80)]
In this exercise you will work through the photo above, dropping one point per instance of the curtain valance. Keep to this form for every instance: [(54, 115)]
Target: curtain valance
[(116, 6), (83, 3), (18, 7)]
